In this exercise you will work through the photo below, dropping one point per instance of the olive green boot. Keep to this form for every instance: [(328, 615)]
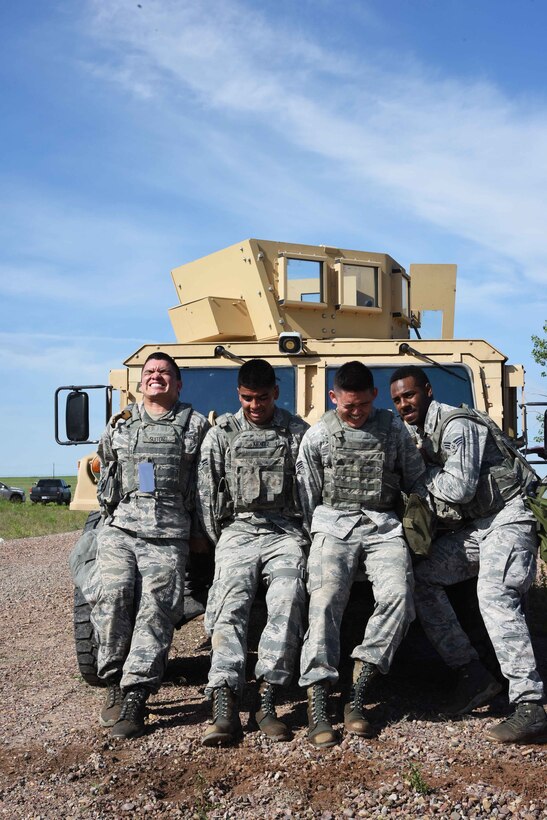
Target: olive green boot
[(320, 731), (355, 720), (266, 716), (110, 713), (225, 725)]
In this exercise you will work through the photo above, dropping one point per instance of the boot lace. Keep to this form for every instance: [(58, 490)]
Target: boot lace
[(358, 690), (319, 704), (133, 706), (221, 703), (114, 695), (267, 700), (521, 717)]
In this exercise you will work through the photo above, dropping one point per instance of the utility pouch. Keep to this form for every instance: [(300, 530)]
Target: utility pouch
[(418, 525), (109, 488), (538, 506)]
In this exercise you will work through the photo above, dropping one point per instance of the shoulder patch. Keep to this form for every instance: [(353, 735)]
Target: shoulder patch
[(124, 415)]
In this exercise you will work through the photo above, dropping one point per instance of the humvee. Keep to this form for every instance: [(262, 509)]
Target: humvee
[(307, 309)]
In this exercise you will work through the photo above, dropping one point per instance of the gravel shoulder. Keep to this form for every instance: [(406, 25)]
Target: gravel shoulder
[(56, 761)]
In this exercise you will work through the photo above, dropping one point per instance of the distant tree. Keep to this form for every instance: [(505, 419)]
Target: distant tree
[(539, 351)]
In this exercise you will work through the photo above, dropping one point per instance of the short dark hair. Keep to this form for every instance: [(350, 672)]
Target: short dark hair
[(353, 377), (165, 357), (256, 374), (410, 371)]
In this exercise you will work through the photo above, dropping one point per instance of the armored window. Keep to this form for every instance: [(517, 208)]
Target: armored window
[(302, 280), (215, 388), (452, 386), (359, 286)]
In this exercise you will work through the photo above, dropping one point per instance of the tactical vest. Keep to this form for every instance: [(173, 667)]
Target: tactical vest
[(261, 473), (163, 444), (358, 476), (504, 472)]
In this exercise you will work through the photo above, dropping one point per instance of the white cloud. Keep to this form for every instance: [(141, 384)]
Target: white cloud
[(458, 155)]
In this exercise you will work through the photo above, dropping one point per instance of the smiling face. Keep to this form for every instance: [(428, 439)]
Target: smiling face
[(159, 384), (411, 401), (258, 405), (353, 407)]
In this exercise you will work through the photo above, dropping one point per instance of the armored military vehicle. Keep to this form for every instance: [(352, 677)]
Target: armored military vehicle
[(307, 309)]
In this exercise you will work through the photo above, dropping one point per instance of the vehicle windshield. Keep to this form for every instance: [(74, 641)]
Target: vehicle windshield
[(49, 482), (215, 388), (447, 388)]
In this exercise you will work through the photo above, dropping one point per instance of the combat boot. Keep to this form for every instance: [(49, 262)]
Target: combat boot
[(320, 731), (225, 725), (266, 716), (133, 712), (355, 721), (110, 713), (527, 724), (475, 687)]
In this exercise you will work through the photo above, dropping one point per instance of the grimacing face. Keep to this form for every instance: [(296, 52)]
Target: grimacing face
[(258, 405), (353, 408), (411, 401), (159, 384)]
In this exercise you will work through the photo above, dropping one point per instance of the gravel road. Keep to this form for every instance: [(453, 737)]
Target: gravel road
[(57, 762)]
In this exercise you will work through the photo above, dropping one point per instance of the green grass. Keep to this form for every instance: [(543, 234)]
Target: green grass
[(28, 520)]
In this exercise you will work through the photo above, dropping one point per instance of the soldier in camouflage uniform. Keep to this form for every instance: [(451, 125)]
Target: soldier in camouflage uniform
[(148, 474), (350, 467), (489, 533), (249, 507)]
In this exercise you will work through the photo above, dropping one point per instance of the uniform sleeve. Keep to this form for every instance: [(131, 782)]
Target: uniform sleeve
[(210, 473), (104, 450), (463, 444), (309, 474), (410, 464), (196, 529)]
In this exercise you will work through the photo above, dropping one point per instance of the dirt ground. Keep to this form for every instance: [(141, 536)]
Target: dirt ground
[(56, 761)]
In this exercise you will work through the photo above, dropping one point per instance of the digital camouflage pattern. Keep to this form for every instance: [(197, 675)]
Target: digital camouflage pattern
[(261, 544), (499, 548), (346, 541), (145, 542), (245, 555), (135, 623)]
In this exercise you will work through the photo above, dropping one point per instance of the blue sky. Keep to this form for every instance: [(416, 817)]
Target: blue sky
[(137, 136)]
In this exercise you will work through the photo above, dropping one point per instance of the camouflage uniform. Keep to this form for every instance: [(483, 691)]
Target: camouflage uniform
[(262, 543), (346, 540), (143, 546), (499, 546)]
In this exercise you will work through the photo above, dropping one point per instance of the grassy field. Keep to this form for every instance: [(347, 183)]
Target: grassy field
[(28, 520)]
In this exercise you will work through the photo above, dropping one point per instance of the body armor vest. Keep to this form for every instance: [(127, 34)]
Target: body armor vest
[(161, 443), (261, 474), (358, 476), (504, 472)]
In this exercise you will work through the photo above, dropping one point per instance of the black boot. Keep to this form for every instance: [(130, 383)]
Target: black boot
[(133, 712), (355, 720), (225, 726), (320, 731), (266, 716)]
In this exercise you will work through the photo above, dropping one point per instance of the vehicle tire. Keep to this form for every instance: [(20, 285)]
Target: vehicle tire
[(84, 638), (84, 635), (16, 499)]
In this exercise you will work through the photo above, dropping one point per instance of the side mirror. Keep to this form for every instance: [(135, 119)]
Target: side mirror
[(77, 416), (77, 412)]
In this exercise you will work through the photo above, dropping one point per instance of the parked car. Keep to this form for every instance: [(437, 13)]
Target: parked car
[(15, 494), (55, 490)]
